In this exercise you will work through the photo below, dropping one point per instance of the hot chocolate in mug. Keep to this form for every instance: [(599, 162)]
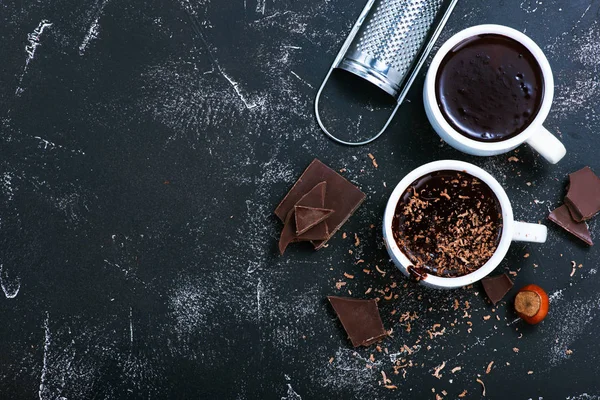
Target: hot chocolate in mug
[(511, 230), (488, 90)]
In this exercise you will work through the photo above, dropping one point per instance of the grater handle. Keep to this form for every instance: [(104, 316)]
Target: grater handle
[(336, 61), (332, 136)]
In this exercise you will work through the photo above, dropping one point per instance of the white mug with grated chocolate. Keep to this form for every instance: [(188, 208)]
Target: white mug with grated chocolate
[(449, 224)]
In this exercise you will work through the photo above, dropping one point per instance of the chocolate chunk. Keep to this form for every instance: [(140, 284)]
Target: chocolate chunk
[(583, 197), (342, 196), (318, 232), (288, 233), (496, 287), (315, 198), (308, 217), (563, 218), (360, 319)]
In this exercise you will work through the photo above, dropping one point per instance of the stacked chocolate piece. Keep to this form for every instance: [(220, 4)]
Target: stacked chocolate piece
[(317, 206), (581, 203)]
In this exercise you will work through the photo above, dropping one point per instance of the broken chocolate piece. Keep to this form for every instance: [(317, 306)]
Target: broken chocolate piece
[(563, 218), (308, 217), (496, 287), (583, 197), (315, 198), (360, 319), (342, 196), (288, 233)]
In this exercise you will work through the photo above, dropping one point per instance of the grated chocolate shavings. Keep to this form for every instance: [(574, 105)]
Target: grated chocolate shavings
[(438, 369), (448, 229), (482, 386), (372, 157)]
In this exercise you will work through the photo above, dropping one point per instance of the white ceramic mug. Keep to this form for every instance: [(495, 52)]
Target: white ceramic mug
[(535, 134), (511, 230)]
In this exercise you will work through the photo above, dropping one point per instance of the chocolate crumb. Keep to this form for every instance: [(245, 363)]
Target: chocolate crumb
[(372, 157), (438, 369), (482, 386)]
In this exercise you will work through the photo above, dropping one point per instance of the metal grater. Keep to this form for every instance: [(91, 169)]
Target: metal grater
[(388, 45)]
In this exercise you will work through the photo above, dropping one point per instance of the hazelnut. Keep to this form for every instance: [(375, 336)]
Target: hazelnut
[(531, 304)]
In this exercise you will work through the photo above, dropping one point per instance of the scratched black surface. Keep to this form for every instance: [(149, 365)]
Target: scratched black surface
[(141, 155)]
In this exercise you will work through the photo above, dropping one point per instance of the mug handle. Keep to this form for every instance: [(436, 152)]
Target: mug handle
[(547, 145), (526, 232)]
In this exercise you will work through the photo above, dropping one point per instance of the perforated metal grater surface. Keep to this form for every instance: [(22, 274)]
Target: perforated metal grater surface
[(389, 40)]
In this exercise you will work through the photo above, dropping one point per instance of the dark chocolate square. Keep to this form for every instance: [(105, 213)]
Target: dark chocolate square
[(583, 197), (360, 319), (342, 196), (563, 218)]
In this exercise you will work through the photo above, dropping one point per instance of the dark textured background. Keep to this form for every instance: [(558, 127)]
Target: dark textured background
[(141, 159)]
